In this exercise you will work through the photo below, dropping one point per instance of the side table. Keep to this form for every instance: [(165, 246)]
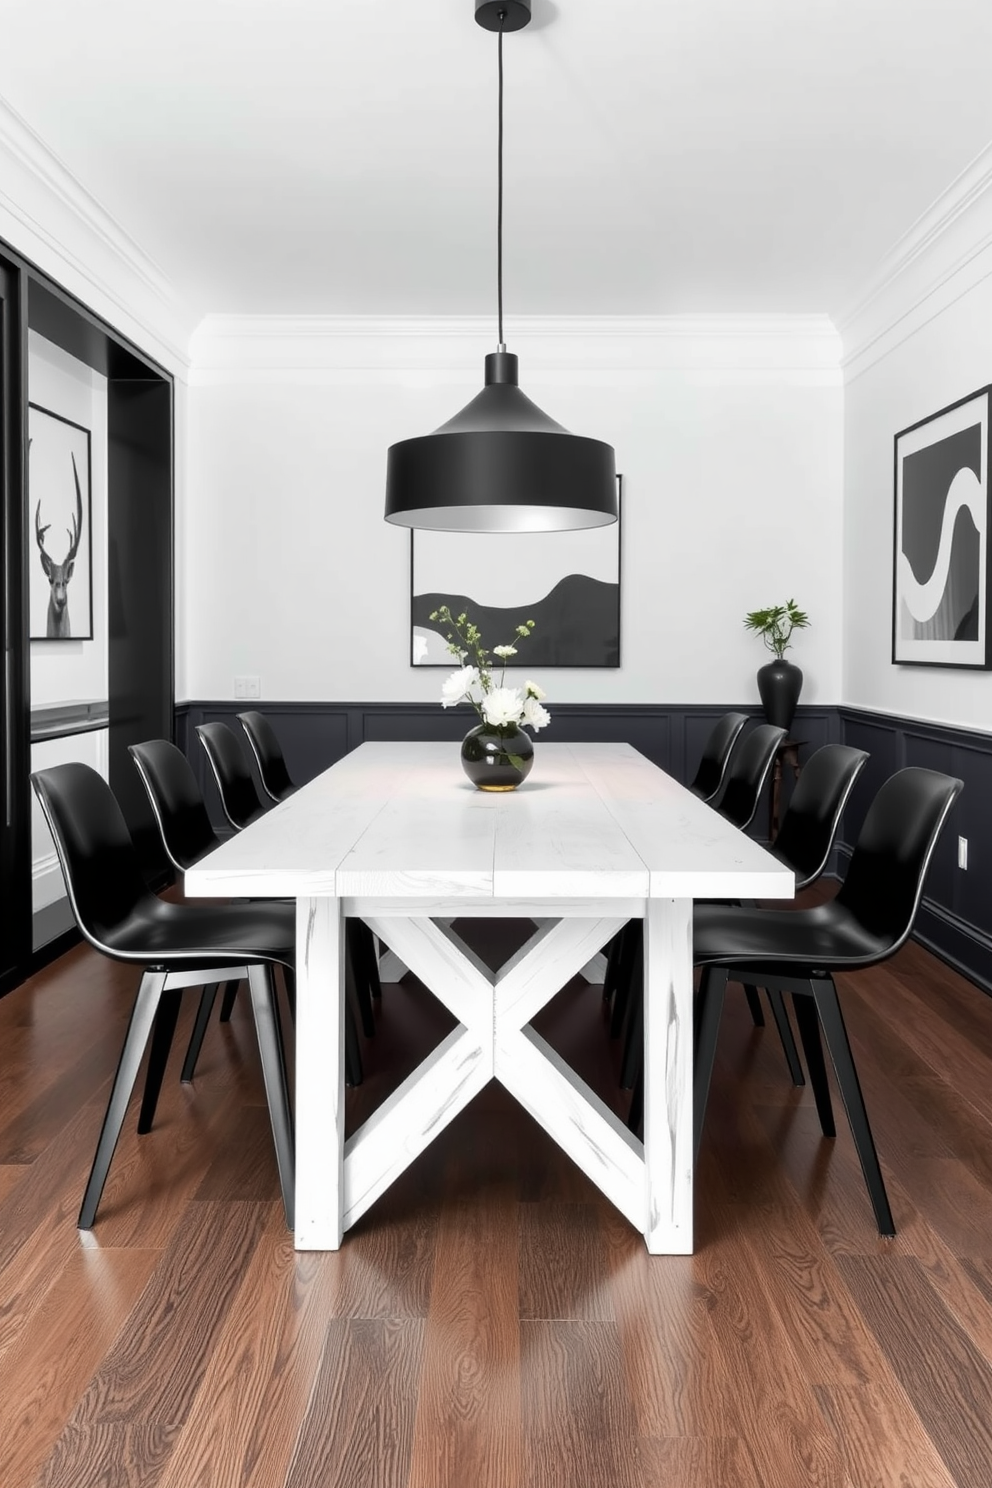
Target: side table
[(786, 757)]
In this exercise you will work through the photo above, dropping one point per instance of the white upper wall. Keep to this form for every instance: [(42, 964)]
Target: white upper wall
[(728, 434), (919, 341)]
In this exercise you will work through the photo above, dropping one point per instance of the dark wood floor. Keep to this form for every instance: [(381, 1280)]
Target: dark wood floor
[(492, 1322)]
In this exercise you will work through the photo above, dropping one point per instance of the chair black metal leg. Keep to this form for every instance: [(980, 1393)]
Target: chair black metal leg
[(270, 1046), (207, 998), (809, 1032), (754, 1003), (635, 1116), (633, 1047), (632, 941), (828, 1006), (355, 982), (139, 1028), (289, 977), (227, 1006), (612, 953), (708, 1012), (365, 944), (353, 1072), (777, 1003), (163, 1030)]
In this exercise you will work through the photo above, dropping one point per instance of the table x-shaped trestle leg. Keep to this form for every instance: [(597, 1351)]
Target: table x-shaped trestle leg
[(337, 1181)]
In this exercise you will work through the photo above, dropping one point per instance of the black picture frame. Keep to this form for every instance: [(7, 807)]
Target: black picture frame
[(941, 531), (577, 619), (60, 481)]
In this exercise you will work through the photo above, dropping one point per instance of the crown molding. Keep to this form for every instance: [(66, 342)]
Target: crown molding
[(59, 225), (944, 254), (236, 347)]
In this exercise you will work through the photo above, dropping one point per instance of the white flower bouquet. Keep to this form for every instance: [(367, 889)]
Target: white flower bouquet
[(475, 682)]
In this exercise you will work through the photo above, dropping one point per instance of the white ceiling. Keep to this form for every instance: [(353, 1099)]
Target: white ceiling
[(662, 156)]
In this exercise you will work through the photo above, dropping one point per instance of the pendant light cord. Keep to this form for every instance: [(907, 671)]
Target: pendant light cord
[(499, 192)]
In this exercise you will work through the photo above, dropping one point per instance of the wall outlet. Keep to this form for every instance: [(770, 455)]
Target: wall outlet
[(247, 687), (963, 853)]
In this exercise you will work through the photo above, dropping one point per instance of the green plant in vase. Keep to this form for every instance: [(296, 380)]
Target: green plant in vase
[(779, 682), (497, 754), (775, 625)]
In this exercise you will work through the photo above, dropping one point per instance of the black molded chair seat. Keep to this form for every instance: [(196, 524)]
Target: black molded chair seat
[(712, 767), (238, 796), (824, 935), (798, 951), (120, 917), (208, 936), (272, 772)]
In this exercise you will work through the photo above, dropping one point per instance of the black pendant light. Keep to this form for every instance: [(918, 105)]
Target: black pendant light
[(501, 464)]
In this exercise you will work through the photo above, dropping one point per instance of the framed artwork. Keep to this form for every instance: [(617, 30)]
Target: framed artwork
[(61, 532), (943, 505), (568, 583)]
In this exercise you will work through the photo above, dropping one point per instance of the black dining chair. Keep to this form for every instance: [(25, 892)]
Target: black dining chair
[(712, 768), (747, 773), (238, 797), (800, 951), (708, 781), (744, 781), (272, 772), (804, 843), (174, 943), (187, 836)]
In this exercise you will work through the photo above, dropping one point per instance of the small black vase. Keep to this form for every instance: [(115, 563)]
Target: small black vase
[(497, 759), (779, 684)]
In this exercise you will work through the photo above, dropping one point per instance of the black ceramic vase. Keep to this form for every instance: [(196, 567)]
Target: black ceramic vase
[(497, 759), (779, 684)]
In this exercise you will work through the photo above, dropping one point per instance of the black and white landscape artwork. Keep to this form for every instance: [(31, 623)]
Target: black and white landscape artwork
[(568, 583), (940, 602)]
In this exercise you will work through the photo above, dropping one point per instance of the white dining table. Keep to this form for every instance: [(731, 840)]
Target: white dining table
[(396, 834)]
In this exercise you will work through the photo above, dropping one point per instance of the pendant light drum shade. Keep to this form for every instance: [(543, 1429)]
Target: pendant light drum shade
[(501, 465)]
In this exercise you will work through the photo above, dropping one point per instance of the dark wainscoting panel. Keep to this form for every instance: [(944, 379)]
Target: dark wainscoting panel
[(955, 919), (314, 735)]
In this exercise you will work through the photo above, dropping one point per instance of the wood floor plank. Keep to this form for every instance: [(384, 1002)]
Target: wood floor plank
[(561, 1263), (84, 1309), (468, 1411), (152, 1371), (772, 1405), (358, 1429), (10, 1175), (243, 1424), (578, 1423), (697, 1462), (938, 1366), (387, 1267), (242, 1162), (50, 1190), (678, 1382), (831, 1341), (880, 1437)]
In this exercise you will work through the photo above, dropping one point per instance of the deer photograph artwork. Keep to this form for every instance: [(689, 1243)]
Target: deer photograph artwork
[(60, 531)]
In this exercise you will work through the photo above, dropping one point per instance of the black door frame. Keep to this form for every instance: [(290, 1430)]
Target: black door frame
[(141, 498)]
